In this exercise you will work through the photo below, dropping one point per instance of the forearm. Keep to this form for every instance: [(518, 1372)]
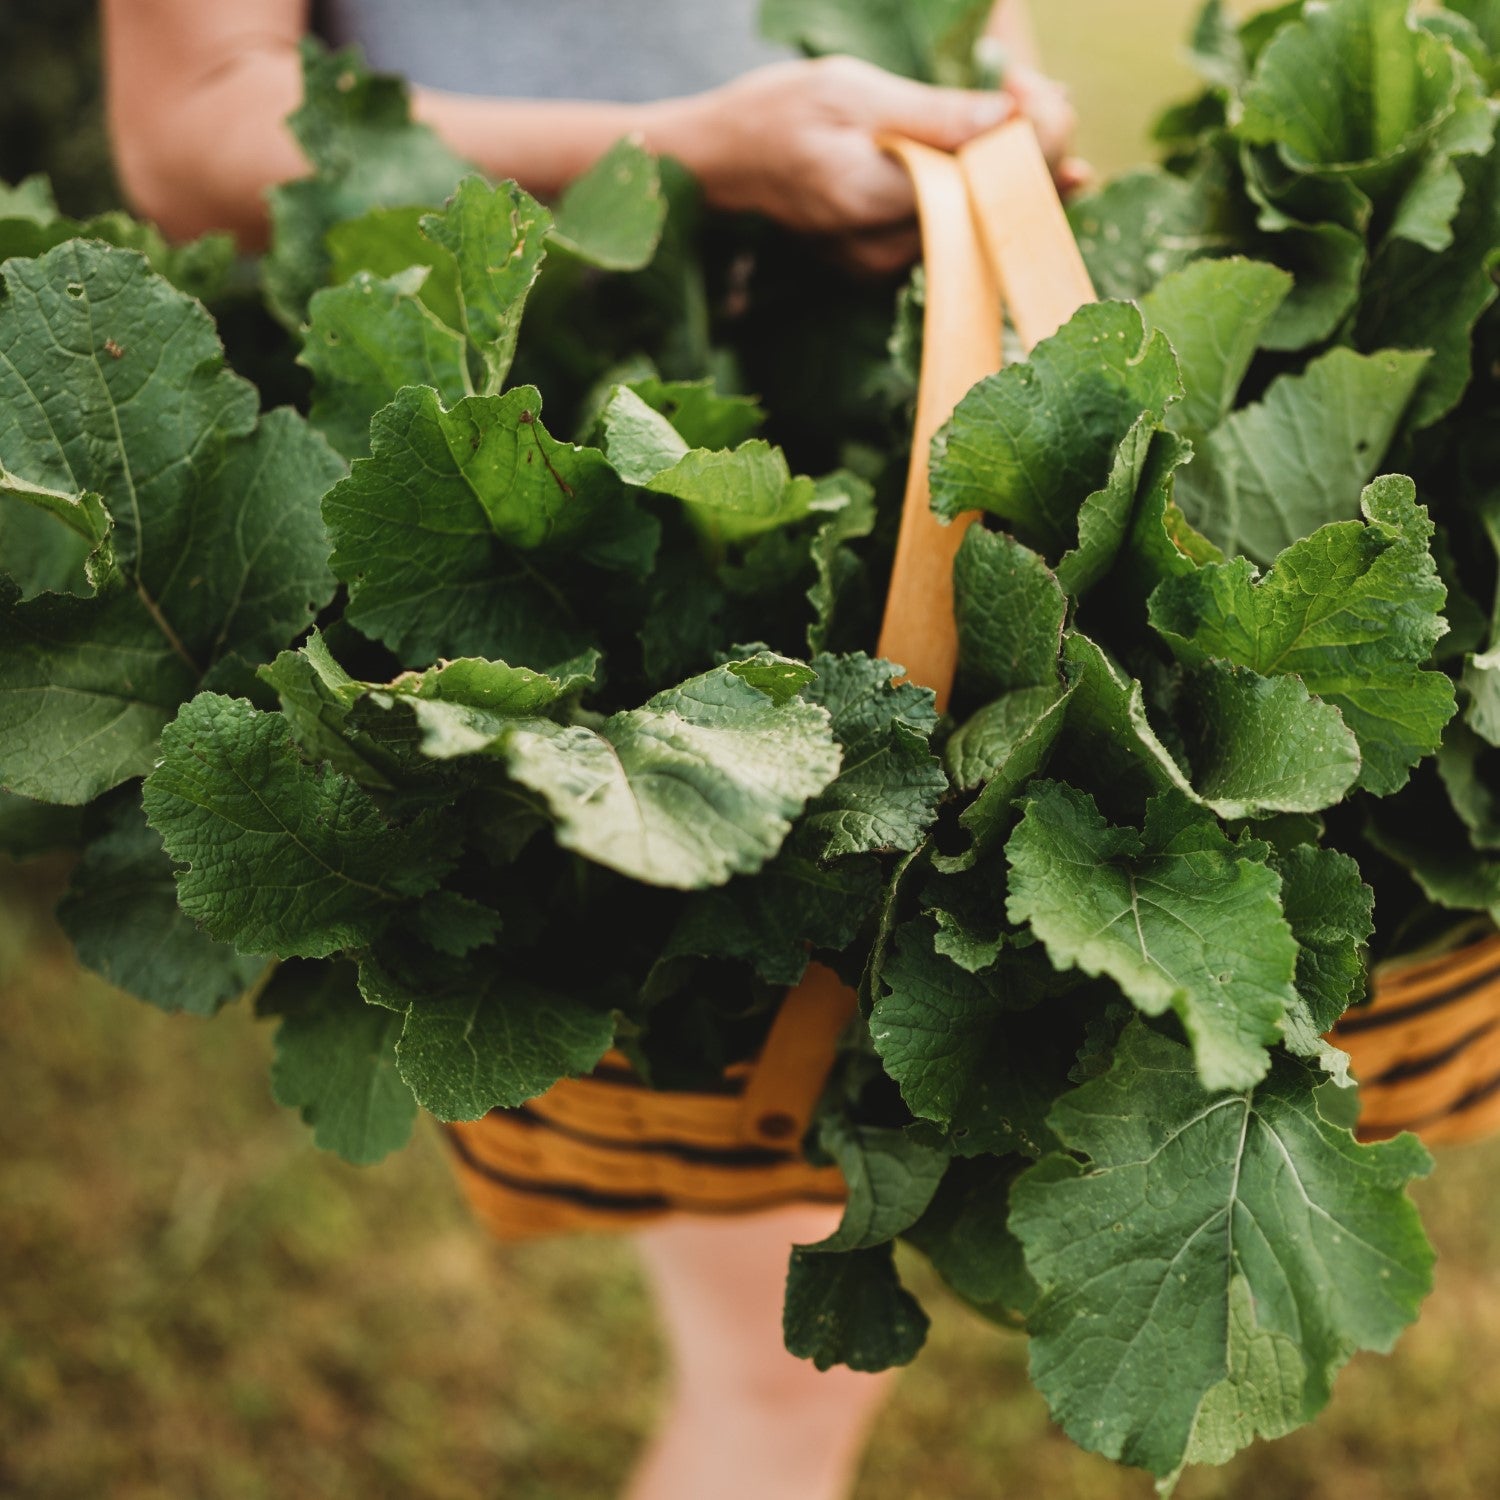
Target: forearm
[(543, 144), (208, 162)]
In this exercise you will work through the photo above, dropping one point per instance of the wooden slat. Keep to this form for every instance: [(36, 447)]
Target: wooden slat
[(1024, 231), (960, 346)]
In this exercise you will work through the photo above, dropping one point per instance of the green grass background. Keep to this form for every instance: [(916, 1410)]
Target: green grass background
[(197, 1305)]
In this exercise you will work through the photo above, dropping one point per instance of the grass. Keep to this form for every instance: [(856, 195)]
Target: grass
[(200, 1306)]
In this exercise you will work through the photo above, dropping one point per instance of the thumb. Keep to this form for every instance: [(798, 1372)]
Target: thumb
[(943, 118)]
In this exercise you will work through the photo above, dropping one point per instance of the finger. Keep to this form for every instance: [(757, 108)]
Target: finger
[(943, 118), (1075, 175), (1049, 107), (869, 190), (881, 253)]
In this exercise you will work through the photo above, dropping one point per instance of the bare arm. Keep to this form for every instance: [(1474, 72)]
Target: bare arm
[(198, 94)]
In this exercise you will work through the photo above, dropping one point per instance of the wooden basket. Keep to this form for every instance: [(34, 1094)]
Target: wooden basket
[(606, 1153), (1426, 1050)]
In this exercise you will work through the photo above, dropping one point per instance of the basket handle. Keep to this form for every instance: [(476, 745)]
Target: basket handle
[(991, 223)]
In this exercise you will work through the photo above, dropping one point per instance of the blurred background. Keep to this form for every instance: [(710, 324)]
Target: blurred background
[(198, 1305)]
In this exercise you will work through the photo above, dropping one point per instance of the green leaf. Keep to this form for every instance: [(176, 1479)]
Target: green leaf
[(336, 1062), (1259, 745), (1010, 611), (449, 533), (980, 748), (1482, 682), (121, 915), (1032, 443), (951, 1041), (1414, 298), (85, 689), (835, 563), (1468, 767), (497, 239), (851, 1309), (966, 1235), (730, 495), (1004, 745), (123, 427), (1351, 88), (495, 1043), (891, 1179), (773, 919), (922, 39), (887, 794), (365, 340), (277, 856), (113, 398), (1161, 543), (356, 130), (1248, 745), (1215, 313), (613, 214), (1176, 915), (1210, 1263), (1278, 470), (316, 696), (1140, 228), (1332, 914), (1104, 517), (696, 786), (1352, 611), (702, 417), (461, 706)]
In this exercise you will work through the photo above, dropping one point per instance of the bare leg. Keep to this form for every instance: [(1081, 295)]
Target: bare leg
[(748, 1421)]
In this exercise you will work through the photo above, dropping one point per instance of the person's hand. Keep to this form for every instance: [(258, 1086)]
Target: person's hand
[(799, 142), (1047, 104)]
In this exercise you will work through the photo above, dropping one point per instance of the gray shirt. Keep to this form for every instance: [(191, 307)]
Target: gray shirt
[(629, 51)]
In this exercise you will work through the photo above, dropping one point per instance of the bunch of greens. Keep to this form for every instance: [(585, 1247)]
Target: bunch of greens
[(476, 743)]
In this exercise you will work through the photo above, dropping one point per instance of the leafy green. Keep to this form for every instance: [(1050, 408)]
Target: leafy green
[(925, 39), (1189, 1297), (494, 1043), (613, 215), (851, 1309), (949, 1039), (120, 421), (445, 533), (277, 856), (1010, 611), (424, 736), (356, 131), (1031, 444), (1276, 471), (1179, 917), (1215, 314), (336, 1062), (1351, 610), (122, 916), (891, 1179), (890, 785), (699, 784)]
